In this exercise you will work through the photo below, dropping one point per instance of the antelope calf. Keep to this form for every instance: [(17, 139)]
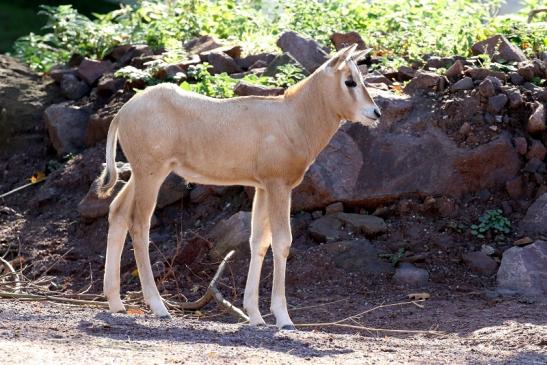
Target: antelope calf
[(264, 142)]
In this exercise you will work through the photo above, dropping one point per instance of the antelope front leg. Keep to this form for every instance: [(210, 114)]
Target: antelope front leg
[(260, 241), (279, 204)]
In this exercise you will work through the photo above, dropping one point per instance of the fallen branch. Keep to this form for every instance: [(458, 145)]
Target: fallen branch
[(214, 293), (22, 187)]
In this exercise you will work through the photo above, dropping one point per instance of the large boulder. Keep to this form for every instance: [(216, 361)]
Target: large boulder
[(306, 51), (231, 234), (373, 167), (499, 49), (66, 125), (524, 269), (534, 222)]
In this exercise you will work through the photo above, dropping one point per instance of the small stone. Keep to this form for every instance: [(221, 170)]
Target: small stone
[(515, 99), (487, 88), (425, 81), (515, 187), (521, 145), (172, 190), (317, 214), (334, 208), (537, 150), (515, 78), (464, 84), (465, 129), (497, 103), (527, 71), (326, 229), (534, 165), (534, 222), (523, 241), (482, 73), (410, 275), (455, 71), (231, 234), (536, 123), (370, 225), (488, 250), (480, 263), (72, 88)]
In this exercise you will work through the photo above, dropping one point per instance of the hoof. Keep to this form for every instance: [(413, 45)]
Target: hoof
[(288, 327)]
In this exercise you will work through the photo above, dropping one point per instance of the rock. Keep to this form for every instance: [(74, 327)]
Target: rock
[(534, 223), (357, 256), (537, 150), (368, 224), (231, 234), (497, 103), (172, 190), (464, 84), (375, 78), (480, 263), (394, 107), (306, 51), (499, 49), (378, 167), (455, 71), (482, 73), (326, 229), (536, 122), (515, 78), (126, 53), (405, 73), (283, 59), (201, 44), (527, 71), (108, 85), (194, 250), (66, 125), (171, 72), (521, 145), (231, 51), (410, 275), (515, 187), (334, 208), (91, 70), (487, 88), (57, 72), (515, 99), (465, 129), (243, 88), (221, 62), (425, 81), (534, 165), (523, 241), (72, 88), (91, 207), (524, 269), (246, 62), (341, 40), (118, 52), (97, 127), (435, 62)]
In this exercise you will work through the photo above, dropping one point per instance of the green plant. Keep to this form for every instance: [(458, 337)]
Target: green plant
[(491, 221), (287, 75)]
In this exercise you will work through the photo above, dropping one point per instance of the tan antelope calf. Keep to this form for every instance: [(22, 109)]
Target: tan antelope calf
[(264, 142)]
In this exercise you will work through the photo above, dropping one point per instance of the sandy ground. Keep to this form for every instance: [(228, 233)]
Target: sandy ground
[(47, 333)]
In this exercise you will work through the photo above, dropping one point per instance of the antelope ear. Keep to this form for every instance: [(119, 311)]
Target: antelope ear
[(359, 55), (339, 59)]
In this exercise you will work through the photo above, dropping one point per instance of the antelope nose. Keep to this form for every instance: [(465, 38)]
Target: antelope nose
[(377, 113)]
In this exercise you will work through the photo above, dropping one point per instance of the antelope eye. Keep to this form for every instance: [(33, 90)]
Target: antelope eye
[(351, 83)]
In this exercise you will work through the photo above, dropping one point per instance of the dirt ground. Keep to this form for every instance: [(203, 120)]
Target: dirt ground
[(38, 332)]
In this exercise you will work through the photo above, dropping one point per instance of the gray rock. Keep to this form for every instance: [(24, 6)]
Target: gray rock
[(357, 256), (326, 229), (394, 107), (524, 269), (283, 59), (482, 73), (172, 190), (410, 275), (534, 222), (480, 263), (464, 84), (497, 103), (370, 225), (72, 88), (66, 125), (307, 52), (515, 99), (248, 61), (221, 62), (231, 234), (515, 78), (487, 88), (425, 81), (499, 49), (91, 70)]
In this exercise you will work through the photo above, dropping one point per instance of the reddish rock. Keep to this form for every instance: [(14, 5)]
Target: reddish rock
[(425, 81), (232, 51), (97, 127), (515, 78), (306, 51), (108, 85), (515, 187), (499, 49), (527, 70), (537, 150), (91, 70), (480, 263), (243, 88), (66, 125), (515, 99), (341, 40), (482, 73), (221, 62), (171, 72), (536, 122), (455, 71), (497, 103), (521, 145), (247, 61), (464, 84), (92, 207), (201, 44)]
